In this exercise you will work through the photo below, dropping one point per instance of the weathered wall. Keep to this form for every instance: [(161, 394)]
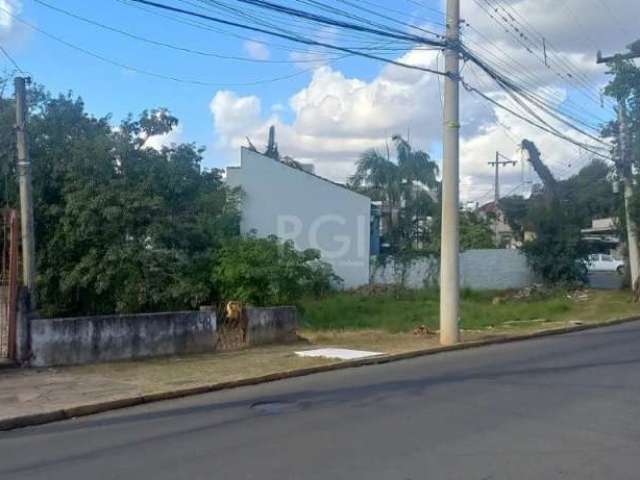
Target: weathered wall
[(495, 270), (479, 270), (271, 325), (68, 341), (309, 210)]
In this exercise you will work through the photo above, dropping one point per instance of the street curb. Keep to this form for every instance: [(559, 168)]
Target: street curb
[(90, 409)]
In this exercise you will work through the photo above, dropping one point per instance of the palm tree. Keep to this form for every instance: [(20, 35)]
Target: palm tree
[(400, 185)]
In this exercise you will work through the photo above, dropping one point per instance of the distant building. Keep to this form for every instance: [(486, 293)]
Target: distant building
[(504, 230), (295, 204), (603, 236)]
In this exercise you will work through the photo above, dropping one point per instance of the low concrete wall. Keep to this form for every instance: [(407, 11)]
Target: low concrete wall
[(68, 341), (479, 270), (495, 270), (271, 325)]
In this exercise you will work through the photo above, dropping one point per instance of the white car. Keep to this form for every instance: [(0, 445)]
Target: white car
[(601, 262)]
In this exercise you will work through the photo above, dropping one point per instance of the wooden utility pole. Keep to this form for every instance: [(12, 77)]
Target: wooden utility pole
[(450, 243), (498, 163), (26, 195)]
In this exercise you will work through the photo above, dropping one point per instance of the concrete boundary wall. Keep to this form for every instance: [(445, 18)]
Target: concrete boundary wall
[(479, 270), (80, 340), (271, 325)]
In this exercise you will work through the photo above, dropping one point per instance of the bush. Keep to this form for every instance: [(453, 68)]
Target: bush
[(265, 271), (557, 254)]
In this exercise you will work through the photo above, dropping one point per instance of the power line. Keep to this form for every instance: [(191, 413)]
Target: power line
[(542, 127), (518, 94), (12, 60), (141, 71), (509, 18), (165, 44), (294, 38), (573, 71), (524, 75)]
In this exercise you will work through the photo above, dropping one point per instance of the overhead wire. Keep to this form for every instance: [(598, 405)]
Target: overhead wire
[(11, 60), (549, 52), (364, 29), (142, 71), (293, 38), (166, 44)]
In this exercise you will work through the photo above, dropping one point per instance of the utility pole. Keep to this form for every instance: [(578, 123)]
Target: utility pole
[(624, 167), (26, 196), (497, 164), (450, 239)]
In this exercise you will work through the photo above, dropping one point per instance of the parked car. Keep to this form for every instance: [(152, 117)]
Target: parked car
[(601, 262)]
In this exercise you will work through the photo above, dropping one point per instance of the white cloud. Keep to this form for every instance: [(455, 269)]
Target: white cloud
[(159, 141), (257, 50), (8, 8), (335, 117)]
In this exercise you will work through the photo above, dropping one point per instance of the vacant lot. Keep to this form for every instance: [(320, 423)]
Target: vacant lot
[(403, 311)]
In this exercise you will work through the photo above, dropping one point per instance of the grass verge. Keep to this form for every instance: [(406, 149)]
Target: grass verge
[(403, 311)]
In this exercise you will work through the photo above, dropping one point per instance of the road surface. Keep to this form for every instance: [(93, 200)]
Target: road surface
[(562, 407)]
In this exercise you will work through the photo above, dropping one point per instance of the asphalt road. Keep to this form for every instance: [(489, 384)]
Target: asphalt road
[(562, 407)]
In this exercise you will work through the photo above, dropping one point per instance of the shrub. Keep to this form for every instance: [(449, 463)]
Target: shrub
[(557, 254), (265, 271)]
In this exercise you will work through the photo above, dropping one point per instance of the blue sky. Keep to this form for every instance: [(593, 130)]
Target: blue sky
[(107, 89), (327, 115)]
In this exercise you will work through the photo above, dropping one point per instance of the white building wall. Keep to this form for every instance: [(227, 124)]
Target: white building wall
[(313, 212)]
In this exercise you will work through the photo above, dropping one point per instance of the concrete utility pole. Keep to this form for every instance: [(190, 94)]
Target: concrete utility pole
[(450, 241), (624, 167), (26, 196), (497, 164)]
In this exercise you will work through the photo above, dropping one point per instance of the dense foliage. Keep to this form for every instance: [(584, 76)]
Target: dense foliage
[(121, 226), (557, 252), (555, 248), (408, 189), (264, 271), (624, 87)]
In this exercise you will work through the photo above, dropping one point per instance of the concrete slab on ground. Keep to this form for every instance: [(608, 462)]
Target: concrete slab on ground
[(339, 353)]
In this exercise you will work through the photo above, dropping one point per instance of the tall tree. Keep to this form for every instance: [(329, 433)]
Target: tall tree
[(406, 187), (120, 226)]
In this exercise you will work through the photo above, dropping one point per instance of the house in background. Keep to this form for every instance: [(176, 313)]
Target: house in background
[(502, 228), (281, 198), (603, 236)]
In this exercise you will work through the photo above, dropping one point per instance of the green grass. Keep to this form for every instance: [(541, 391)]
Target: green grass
[(405, 310)]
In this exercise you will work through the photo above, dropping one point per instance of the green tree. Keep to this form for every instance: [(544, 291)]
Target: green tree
[(557, 253), (624, 87), (265, 271), (406, 187), (120, 226)]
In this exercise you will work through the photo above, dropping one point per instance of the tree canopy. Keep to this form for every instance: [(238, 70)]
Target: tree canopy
[(120, 226)]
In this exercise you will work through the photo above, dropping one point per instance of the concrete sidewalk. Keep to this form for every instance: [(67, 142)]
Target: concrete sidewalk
[(28, 392), (34, 396)]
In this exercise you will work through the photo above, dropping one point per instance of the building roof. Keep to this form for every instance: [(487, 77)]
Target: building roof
[(307, 172)]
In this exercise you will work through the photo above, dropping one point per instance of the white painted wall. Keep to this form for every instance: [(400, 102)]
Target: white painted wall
[(313, 212), (490, 269)]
